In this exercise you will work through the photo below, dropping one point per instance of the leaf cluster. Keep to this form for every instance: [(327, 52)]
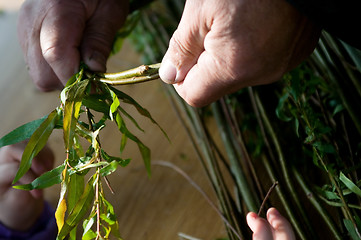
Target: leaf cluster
[(83, 97)]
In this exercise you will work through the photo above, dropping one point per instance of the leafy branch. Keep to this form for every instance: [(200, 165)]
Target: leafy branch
[(86, 93)]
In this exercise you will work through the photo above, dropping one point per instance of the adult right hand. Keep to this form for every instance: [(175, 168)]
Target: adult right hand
[(56, 35), (220, 47)]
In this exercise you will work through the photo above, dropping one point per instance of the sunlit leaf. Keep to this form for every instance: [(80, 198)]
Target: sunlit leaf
[(47, 179), (21, 133), (36, 142), (120, 161), (88, 233), (114, 106), (79, 210), (71, 111)]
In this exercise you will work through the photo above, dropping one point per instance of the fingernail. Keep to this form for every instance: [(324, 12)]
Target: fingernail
[(253, 215), (96, 62), (273, 212), (168, 72)]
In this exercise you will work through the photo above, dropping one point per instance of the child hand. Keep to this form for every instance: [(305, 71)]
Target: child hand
[(19, 209), (276, 227)]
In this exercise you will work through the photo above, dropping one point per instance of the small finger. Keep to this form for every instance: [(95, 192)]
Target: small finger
[(282, 228), (259, 226)]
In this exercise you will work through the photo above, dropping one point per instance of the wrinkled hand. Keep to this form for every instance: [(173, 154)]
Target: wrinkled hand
[(223, 46), (276, 227), (19, 209), (56, 35)]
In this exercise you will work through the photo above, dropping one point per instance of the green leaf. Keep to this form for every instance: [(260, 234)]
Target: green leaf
[(97, 103), (88, 233), (21, 133), (144, 150), (351, 229), (80, 209), (349, 184), (123, 143), (71, 110), (62, 206), (130, 118), (109, 169), (75, 190), (85, 166), (115, 104), (280, 110), (36, 142), (144, 112), (47, 179), (120, 161), (110, 217), (324, 147)]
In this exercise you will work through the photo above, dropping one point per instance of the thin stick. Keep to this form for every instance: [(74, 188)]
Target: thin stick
[(97, 205), (266, 197), (185, 236), (199, 189)]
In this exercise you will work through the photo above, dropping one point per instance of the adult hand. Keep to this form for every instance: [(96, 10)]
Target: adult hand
[(56, 35), (19, 209), (275, 228), (223, 46)]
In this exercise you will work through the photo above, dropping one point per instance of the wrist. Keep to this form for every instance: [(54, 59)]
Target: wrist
[(43, 229)]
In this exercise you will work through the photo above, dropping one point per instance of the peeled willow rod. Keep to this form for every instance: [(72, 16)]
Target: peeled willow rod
[(139, 74)]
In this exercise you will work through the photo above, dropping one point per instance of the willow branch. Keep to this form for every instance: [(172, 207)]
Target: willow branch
[(139, 74)]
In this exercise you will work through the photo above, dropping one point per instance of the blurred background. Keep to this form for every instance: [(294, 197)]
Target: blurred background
[(159, 207)]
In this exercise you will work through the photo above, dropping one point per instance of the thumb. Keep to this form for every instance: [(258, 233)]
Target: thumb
[(186, 44), (259, 226), (100, 32)]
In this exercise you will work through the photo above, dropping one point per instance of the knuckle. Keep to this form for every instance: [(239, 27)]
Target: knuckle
[(182, 47), (53, 54), (44, 86)]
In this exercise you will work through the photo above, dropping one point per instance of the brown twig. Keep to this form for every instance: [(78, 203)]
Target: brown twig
[(266, 197)]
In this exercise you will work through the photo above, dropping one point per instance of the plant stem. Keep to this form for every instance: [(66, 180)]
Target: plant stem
[(199, 189), (140, 74), (97, 203), (282, 161), (286, 203), (242, 185), (332, 227), (266, 197)]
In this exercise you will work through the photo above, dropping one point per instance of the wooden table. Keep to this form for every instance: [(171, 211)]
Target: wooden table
[(156, 208)]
